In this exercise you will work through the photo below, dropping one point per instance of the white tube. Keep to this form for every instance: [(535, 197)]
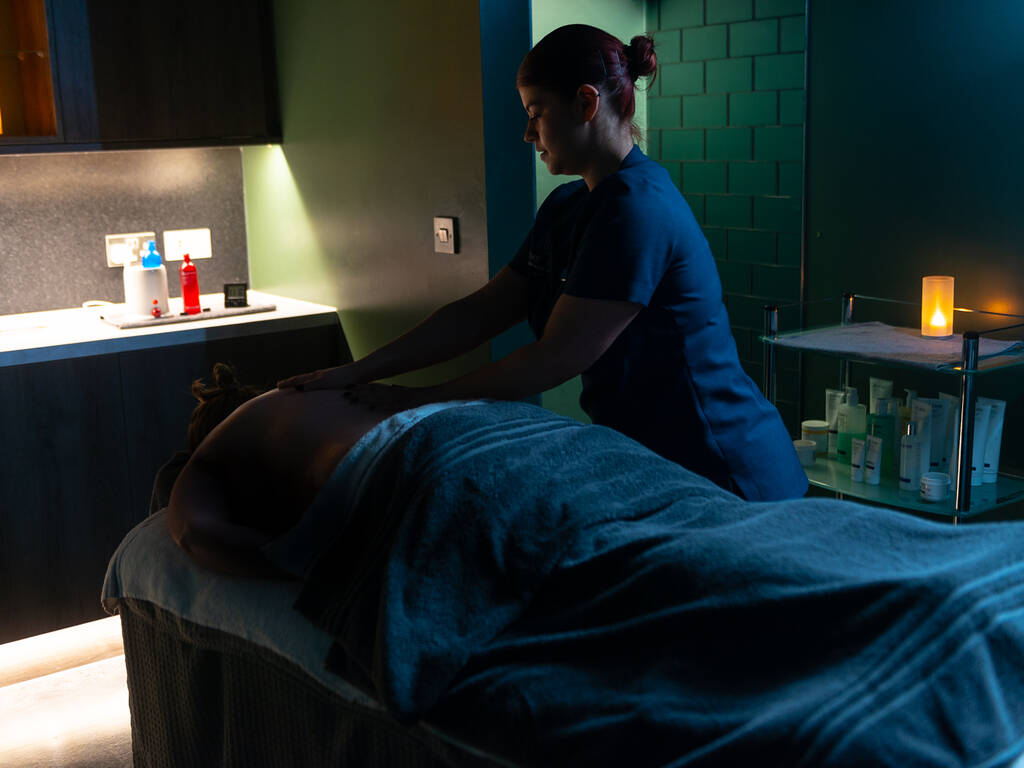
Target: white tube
[(952, 430), (857, 460), (877, 388), (872, 460), (939, 459), (833, 399), (921, 412), (994, 437), (982, 412)]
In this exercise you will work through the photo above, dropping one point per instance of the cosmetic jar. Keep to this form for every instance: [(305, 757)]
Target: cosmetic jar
[(805, 450), (816, 430), (934, 486)]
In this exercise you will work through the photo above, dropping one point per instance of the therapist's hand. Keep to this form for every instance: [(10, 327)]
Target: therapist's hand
[(342, 377), (388, 397)]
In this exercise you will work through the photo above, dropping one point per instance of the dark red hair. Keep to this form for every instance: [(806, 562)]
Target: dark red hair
[(578, 54)]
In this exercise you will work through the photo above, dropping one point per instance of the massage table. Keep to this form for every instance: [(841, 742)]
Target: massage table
[(489, 584)]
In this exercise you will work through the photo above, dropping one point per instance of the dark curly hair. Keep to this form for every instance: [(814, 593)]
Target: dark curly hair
[(216, 402)]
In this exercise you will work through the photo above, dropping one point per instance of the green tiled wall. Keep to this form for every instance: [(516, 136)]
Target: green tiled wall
[(726, 119)]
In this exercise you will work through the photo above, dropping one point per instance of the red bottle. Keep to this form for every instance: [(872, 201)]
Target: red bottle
[(189, 286)]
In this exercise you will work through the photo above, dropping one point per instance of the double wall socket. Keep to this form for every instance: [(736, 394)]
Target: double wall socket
[(126, 249), (129, 248), (195, 242)]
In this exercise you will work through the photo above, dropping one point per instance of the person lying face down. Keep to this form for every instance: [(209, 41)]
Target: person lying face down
[(257, 471)]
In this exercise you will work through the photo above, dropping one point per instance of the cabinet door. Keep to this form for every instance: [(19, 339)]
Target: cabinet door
[(164, 72), (63, 491), (28, 113)]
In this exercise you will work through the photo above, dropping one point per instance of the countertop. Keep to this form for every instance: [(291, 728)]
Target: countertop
[(59, 334)]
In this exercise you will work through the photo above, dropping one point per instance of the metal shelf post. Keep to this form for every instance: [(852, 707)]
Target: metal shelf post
[(965, 436)]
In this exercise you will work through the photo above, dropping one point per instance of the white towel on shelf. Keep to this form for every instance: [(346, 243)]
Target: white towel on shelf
[(878, 341)]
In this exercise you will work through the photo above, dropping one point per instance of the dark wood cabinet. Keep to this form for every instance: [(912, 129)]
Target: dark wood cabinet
[(63, 491), (83, 439), (164, 73)]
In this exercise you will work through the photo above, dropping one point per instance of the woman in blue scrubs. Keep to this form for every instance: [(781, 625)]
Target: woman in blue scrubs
[(618, 284)]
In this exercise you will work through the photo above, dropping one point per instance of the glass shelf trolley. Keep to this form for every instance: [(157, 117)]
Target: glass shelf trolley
[(970, 359)]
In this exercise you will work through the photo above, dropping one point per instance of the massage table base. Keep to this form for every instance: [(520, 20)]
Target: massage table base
[(203, 697)]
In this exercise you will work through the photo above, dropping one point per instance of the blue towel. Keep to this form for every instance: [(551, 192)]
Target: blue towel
[(560, 595)]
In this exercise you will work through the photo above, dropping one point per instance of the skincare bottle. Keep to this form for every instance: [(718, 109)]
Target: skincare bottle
[(938, 459), (857, 460), (952, 430), (903, 417), (852, 423), (882, 424), (833, 399), (922, 416), (910, 459), (994, 437), (982, 414), (873, 460), (189, 286), (877, 388)]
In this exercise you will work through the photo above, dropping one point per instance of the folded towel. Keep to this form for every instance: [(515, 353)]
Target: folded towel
[(906, 346)]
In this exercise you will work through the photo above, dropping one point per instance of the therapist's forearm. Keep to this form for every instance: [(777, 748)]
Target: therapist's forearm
[(529, 370), (452, 330)]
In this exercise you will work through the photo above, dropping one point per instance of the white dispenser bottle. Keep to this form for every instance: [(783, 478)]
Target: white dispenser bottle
[(910, 459), (145, 285)]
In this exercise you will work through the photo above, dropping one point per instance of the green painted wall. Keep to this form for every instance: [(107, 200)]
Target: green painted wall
[(726, 120), (624, 19), (382, 115)]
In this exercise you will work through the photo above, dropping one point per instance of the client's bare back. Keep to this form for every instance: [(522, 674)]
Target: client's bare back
[(291, 438), (252, 477)]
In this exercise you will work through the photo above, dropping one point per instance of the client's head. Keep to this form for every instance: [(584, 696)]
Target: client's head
[(216, 402)]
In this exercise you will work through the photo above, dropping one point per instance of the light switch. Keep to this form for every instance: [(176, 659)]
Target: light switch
[(446, 234)]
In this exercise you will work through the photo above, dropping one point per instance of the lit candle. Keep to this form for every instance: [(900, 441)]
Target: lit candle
[(937, 306)]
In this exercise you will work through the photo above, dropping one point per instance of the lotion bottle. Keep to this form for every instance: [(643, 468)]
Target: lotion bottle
[(910, 459), (904, 414), (882, 424), (852, 424)]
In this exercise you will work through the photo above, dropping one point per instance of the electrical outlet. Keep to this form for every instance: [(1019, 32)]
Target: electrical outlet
[(126, 249), (194, 242)]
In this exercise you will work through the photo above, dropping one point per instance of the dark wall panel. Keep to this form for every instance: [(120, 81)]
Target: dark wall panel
[(915, 166)]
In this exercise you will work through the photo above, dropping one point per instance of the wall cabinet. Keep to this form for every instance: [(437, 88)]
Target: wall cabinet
[(83, 439), (157, 74)]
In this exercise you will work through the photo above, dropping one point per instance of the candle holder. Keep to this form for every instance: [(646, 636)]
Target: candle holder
[(937, 306)]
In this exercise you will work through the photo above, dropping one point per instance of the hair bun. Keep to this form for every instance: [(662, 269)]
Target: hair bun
[(224, 376), (225, 381), (640, 56)]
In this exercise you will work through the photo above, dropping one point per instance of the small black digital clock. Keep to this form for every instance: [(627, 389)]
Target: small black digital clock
[(236, 294)]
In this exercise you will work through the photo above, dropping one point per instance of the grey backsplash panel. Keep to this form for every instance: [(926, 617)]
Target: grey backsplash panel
[(56, 209)]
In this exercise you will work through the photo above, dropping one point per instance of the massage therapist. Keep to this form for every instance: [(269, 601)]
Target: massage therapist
[(618, 284)]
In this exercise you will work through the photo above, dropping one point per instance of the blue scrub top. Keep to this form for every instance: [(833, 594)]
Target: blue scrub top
[(672, 380)]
